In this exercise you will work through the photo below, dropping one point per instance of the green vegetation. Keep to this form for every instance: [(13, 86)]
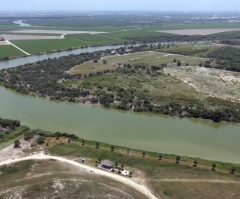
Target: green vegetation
[(37, 46), (136, 81), (153, 171), (7, 51), (226, 58)]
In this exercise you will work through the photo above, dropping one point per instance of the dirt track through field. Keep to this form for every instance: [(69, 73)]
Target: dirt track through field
[(17, 47), (144, 190)]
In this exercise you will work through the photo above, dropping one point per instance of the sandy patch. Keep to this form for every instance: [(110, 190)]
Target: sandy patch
[(208, 81), (4, 43), (27, 37), (199, 31), (60, 32), (11, 153)]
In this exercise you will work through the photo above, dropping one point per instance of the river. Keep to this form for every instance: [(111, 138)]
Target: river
[(190, 137)]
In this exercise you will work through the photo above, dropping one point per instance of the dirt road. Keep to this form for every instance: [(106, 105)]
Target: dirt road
[(144, 190)]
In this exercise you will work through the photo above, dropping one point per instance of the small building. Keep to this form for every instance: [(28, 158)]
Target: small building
[(2, 39), (106, 164)]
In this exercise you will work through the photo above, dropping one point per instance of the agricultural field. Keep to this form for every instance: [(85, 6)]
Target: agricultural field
[(197, 50), (208, 81), (38, 46), (199, 31), (9, 51)]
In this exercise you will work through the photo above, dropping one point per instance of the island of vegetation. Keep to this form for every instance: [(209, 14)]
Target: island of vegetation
[(129, 78)]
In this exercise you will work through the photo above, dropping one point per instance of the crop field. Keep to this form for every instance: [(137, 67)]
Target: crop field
[(89, 39), (9, 51), (210, 82), (199, 31), (139, 32), (37, 46), (197, 50)]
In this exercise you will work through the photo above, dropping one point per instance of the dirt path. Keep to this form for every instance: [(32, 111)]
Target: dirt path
[(118, 178), (17, 47), (197, 181)]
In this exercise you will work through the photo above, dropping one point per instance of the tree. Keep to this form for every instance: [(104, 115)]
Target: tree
[(96, 163), (214, 167), (97, 145), (174, 60), (122, 166), (104, 61), (116, 164), (112, 148), (195, 163), (83, 142), (47, 144), (119, 170), (17, 143), (233, 169), (178, 159), (143, 154), (99, 160), (179, 63), (160, 157), (130, 174), (69, 140), (113, 169), (40, 140), (128, 151)]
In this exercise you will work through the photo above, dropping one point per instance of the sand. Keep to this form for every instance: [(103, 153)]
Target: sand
[(60, 32)]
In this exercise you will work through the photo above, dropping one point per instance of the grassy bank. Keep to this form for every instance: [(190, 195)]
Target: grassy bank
[(9, 51), (158, 175)]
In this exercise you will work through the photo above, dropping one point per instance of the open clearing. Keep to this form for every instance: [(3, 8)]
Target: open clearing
[(150, 58), (211, 82), (27, 37), (61, 32), (118, 178), (199, 31)]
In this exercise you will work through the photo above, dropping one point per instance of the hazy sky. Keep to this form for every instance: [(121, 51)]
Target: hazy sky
[(166, 5)]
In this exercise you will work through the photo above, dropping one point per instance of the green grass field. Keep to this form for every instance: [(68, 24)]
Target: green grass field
[(9, 51), (36, 46)]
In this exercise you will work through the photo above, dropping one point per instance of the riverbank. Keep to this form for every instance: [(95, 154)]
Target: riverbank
[(149, 170)]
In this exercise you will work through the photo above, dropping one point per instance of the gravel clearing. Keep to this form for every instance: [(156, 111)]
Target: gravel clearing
[(27, 37), (60, 32), (199, 31)]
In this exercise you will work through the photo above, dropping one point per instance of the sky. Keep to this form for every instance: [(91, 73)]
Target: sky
[(155, 5)]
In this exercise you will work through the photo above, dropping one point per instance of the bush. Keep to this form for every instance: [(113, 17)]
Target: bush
[(40, 140)]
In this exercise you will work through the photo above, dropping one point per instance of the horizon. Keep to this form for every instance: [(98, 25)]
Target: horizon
[(124, 5)]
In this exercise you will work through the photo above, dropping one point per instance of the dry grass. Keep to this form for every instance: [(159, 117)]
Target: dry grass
[(150, 58), (52, 179), (210, 82)]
